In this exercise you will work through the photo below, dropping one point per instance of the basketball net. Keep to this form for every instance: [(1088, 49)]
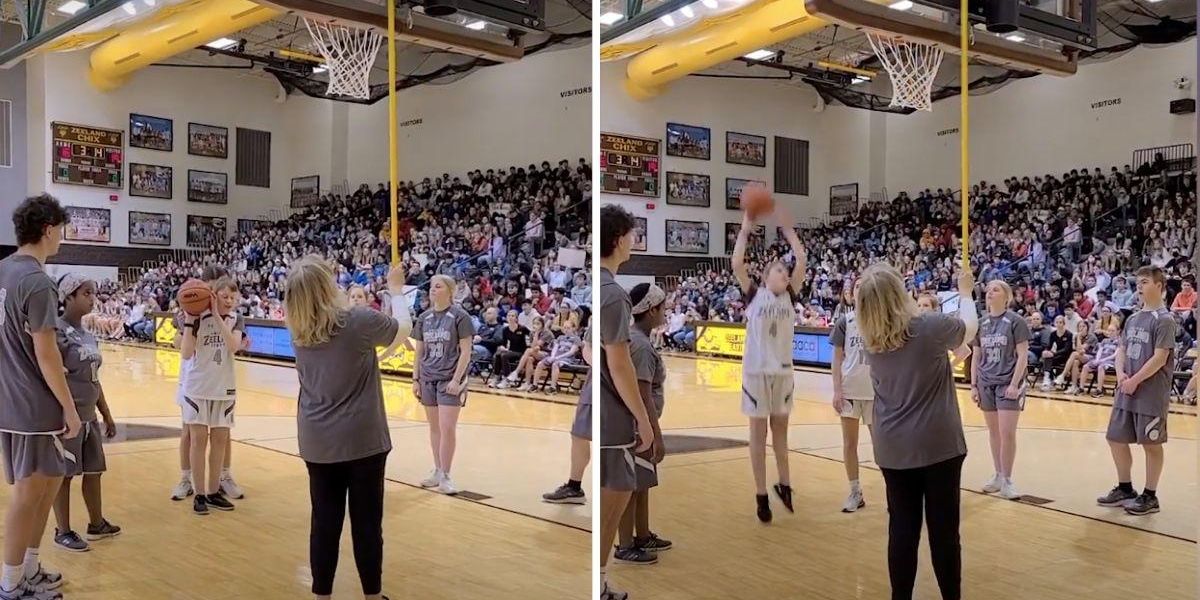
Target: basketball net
[(349, 54), (912, 67)]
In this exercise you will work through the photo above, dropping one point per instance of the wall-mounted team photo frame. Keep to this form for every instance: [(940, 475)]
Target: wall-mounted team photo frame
[(687, 237), (689, 189), (689, 141), (151, 133), (745, 149)]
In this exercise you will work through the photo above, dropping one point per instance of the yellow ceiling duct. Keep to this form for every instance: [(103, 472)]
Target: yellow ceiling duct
[(707, 45), (161, 38)]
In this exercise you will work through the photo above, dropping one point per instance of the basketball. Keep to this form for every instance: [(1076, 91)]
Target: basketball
[(756, 201), (194, 297)]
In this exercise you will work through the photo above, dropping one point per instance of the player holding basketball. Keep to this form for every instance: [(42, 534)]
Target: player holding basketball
[(210, 392), (1145, 364), (853, 394), (37, 411), (442, 344), (767, 365), (998, 382)]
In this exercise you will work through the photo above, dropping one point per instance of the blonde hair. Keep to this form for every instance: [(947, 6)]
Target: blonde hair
[(884, 310), (315, 307), (447, 281), (1007, 289), (225, 283)]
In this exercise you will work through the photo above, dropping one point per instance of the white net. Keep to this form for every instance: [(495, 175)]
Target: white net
[(349, 54), (912, 67)]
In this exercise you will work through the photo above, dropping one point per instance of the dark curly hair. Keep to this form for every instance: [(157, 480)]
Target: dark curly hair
[(615, 223), (34, 215)]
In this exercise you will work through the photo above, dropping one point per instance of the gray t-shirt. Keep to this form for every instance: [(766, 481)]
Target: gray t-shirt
[(81, 359), (585, 397), (917, 422), (998, 338), (649, 366), (30, 304), (341, 415), (1145, 332), (440, 333), (617, 424)]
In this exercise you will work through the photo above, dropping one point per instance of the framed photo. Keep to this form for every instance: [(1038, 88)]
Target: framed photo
[(151, 133), (208, 140), (639, 234), (758, 237), (151, 181), (150, 229), (306, 191), (687, 237), (208, 187), (89, 224), (733, 191), (248, 225), (689, 141), (843, 199), (205, 232), (688, 189), (745, 149)]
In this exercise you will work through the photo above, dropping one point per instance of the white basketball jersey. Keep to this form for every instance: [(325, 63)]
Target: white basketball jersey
[(770, 329), (208, 375), (856, 374)]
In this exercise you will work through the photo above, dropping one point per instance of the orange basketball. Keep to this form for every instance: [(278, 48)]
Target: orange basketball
[(194, 297), (756, 201)]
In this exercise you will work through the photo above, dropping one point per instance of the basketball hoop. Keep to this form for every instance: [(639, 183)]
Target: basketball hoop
[(912, 67), (349, 53)]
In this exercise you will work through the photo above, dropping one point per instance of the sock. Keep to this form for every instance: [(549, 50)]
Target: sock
[(187, 474), (224, 472), (31, 562), (12, 577), (1149, 493), (1125, 486), (575, 484), (855, 486)]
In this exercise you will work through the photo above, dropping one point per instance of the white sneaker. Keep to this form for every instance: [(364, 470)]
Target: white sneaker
[(183, 489), (230, 488), (528, 387), (994, 484), (854, 501), (1060, 380), (434, 479), (1073, 390), (447, 486), (1008, 491)]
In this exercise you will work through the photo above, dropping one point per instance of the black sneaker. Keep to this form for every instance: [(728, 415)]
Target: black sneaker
[(103, 530), (219, 502), (200, 505), (632, 555), (785, 495), (565, 494), (70, 541), (652, 543), (1116, 497), (611, 593), (1142, 505), (764, 508)]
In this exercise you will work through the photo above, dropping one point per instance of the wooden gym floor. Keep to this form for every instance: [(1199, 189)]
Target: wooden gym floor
[(1065, 548), (505, 544)]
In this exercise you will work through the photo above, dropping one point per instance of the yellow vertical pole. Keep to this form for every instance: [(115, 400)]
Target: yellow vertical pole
[(393, 159), (964, 150)]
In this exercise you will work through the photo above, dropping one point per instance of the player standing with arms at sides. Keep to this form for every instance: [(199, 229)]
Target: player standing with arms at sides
[(442, 338), (210, 392), (82, 360), (1145, 365), (571, 492), (767, 383), (918, 432), (998, 382), (37, 411), (624, 423), (853, 394)]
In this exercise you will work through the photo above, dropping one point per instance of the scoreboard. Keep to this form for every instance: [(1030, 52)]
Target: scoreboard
[(629, 165), (85, 155)]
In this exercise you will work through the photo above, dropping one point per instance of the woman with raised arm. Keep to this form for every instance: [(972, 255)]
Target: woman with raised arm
[(767, 364)]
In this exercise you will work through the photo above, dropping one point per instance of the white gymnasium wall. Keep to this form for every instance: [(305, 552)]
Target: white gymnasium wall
[(13, 179), (838, 140), (506, 115), (1049, 124), (300, 128)]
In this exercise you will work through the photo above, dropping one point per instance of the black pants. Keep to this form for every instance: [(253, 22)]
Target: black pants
[(328, 487), (934, 490), (504, 362)]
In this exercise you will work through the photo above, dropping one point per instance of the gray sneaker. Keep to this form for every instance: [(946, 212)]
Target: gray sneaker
[(1116, 498), (70, 541), (44, 581), (565, 494), (25, 592), (611, 593), (1142, 505)]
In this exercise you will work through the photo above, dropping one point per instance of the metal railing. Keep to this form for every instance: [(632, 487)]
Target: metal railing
[(1176, 157)]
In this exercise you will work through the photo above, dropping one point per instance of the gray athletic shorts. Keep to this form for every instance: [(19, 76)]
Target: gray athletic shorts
[(645, 472), (617, 471), (88, 450), (992, 398), (582, 427), (1127, 427), (433, 393), (26, 454)]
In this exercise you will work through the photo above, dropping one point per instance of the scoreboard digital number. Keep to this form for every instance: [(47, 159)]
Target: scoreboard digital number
[(629, 165), (85, 155)]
